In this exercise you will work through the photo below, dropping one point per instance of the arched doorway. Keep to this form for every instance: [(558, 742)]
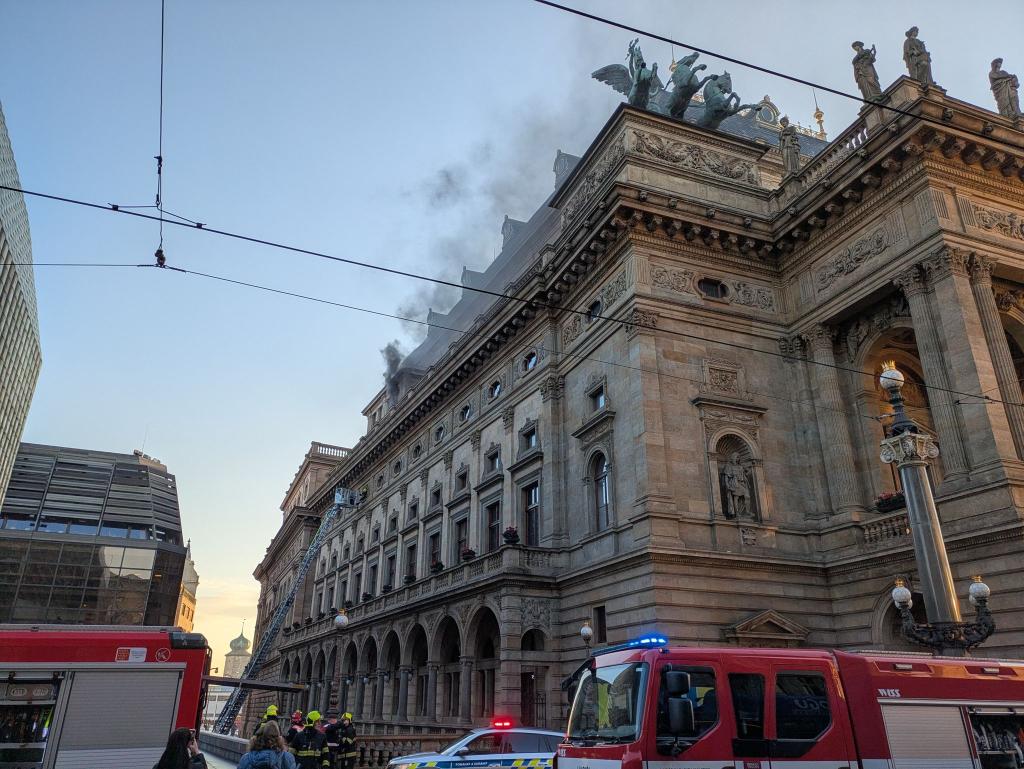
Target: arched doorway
[(533, 678), (391, 659), (319, 683), (349, 668), (307, 679), (416, 658), (449, 650), (485, 638), (366, 686)]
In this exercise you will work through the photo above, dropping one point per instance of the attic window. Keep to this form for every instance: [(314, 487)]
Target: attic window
[(712, 289), (417, 450), (465, 413), (530, 361), (438, 433), (397, 467), (495, 389), (594, 311)]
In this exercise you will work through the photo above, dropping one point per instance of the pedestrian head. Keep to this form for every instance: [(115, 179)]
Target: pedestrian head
[(268, 738), (176, 755)]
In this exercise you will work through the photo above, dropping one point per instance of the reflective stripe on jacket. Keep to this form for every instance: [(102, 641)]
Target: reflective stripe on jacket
[(310, 749)]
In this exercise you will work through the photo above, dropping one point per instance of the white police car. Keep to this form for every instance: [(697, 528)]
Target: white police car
[(499, 745)]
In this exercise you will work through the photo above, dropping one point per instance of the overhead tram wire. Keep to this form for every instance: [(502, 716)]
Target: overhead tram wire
[(769, 71), (160, 140), (497, 294), (472, 333)]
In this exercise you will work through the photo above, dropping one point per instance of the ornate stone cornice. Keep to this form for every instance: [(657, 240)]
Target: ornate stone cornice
[(947, 260)]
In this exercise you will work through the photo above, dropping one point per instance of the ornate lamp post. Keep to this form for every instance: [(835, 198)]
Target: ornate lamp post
[(910, 449)]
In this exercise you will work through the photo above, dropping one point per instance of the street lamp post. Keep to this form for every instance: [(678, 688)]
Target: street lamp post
[(910, 449)]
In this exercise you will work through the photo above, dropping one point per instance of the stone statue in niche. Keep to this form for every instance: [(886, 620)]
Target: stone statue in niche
[(736, 496), (789, 146), (1004, 88), (864, 72), (917, 58)]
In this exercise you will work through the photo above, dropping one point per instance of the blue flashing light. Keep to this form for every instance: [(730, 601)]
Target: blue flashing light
[(649, 641)]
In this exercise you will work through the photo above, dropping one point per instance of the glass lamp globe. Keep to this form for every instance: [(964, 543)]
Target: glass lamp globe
[(891, 378), (341, 620), (586, 632), (902, 597), (978, 591)]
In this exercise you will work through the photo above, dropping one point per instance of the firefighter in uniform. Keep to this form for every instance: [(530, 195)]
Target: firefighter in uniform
[(346, 742), (331, 730), (310, 745), (269, 715), (295, 728)]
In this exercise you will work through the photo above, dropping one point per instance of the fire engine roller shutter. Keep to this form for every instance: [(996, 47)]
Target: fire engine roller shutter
[(117, 718), (927, 737)]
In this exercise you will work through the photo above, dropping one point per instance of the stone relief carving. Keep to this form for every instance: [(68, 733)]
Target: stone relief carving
[(641, 319), (1006, 223), (695, 157), (508, 417), (593, 179), (748, 536), (615, 288), (882, 317), (572, 330), (680, 281), (536, 613), (1007, 299), (552, 387), (724, 381), (749, 295), (851, 258)]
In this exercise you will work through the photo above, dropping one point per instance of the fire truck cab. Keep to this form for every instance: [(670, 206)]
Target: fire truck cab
[(647, 706), (81, 697)]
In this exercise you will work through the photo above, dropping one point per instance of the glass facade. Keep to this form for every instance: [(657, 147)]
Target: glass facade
[(91, 538), (20, 356)]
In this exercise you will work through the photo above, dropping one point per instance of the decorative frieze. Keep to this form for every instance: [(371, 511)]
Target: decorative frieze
[(851, 258), (593, 179), (615, 288), (693, 156), (640, 319), (1005, 223), (679, 281), (884, 316), (750, 295)]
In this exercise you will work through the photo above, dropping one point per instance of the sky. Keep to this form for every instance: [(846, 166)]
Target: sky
[(398, 133)]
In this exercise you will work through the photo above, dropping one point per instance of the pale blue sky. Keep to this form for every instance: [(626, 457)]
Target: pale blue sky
[(326, 125)]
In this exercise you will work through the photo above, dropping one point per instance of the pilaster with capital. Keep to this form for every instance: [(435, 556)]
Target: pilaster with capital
[(968, 362), (999, 349), (944, 411), (466, 688), (837, 443), (404, 674)]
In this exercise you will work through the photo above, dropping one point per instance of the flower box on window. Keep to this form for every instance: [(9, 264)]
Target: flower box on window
[(889, 501), (436, 567), (409, 579), (511, 535), (386, 589), (468, 554), (367, 596)]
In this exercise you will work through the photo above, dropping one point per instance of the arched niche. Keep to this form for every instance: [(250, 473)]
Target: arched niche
[(739, 488)]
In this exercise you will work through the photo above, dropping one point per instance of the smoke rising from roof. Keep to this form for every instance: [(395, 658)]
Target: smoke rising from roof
[(392, 354)]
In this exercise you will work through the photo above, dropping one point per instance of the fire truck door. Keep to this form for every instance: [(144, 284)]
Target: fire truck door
[(926, 735), (749, 746), (116, 718), (808, 723)]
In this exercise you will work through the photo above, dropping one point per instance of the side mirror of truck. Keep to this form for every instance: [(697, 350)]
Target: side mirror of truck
[(677, 682), (680, 717)]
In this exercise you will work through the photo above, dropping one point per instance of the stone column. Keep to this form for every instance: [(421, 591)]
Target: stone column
[(995, 336), (968, 363), (343, 707), (404, 673), (836, 441), (357, 710), (432, 668), (554, 523), (941, 403), (487, 708), (378, 699), (466, 689)]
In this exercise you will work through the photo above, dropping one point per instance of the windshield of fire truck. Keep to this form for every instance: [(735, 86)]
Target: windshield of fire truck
[(608, 705)]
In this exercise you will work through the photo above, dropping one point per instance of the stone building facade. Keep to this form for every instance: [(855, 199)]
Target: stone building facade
[(678, 414)]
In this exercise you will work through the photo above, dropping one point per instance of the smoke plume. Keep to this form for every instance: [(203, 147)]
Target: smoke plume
[(392, 354)]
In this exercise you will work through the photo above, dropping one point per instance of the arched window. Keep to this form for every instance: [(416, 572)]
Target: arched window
[(530, 361), (602, 491)]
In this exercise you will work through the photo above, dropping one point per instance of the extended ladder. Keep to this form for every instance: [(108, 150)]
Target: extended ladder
[(343, 498)]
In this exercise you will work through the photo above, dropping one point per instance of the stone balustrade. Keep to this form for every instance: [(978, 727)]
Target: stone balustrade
[(887, 530)]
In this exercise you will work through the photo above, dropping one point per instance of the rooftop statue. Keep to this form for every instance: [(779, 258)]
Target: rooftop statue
[(864, 72), (640, 84), (1004, 88), (685, 84), (919, 61), (721, 102), (789, 147)]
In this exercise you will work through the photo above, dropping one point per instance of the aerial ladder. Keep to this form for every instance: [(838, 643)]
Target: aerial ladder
[(343, 499)]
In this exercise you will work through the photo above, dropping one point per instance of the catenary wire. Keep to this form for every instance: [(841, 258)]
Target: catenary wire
[(479, 334), (160, 141), (773, 72), (497, 294)]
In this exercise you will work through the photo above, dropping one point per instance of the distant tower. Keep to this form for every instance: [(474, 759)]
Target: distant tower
[(819, 116), (236, 659)]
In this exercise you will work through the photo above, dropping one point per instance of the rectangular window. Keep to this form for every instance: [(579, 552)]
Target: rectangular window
[(359, 545), (410, 561), (435, 547), (461, 537), (375, 535), (346, 553), (389, 571), (357, 587), (462, 480), (528, 439), (414, 509), (393, 524), (343, 592), (703, 696), (330, 600), (748, 705), (597, 399), (801, 706), (371, 583), (531, 513), (492, 461), (492, 519), (600, 625), (435, 497)]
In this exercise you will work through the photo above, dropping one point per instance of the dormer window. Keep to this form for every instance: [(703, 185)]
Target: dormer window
[(438, 433), (465, 413), (495, 389), (530, 361), (712, 289)]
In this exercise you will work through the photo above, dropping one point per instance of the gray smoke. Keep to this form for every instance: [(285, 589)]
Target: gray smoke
[(392, 354)]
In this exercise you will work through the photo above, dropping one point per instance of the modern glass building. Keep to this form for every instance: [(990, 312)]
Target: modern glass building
[(20, 356), (89, 537)]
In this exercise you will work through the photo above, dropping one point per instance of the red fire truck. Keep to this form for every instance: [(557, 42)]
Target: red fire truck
[(646, 706), (81, 697)]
